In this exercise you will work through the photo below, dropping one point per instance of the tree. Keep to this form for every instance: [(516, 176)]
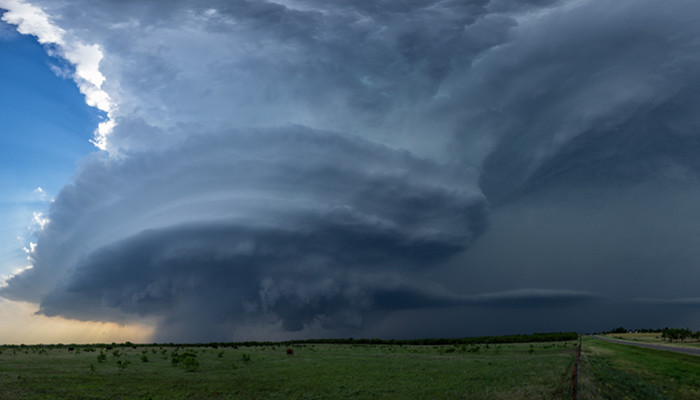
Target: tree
[(619, 330)]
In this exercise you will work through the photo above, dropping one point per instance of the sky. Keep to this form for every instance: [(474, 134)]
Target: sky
[(194, 171)]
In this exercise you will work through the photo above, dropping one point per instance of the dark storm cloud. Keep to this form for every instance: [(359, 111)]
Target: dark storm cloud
[(591, 165), (693, 302), (528, 298), (519, 5), (299, 225), (588, 92), (575, 119)]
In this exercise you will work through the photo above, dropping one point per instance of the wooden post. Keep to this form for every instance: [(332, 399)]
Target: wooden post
[(574, 376)]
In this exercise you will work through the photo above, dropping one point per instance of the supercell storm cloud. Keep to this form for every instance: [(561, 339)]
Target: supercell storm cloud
[(308, 167), (291, 222)]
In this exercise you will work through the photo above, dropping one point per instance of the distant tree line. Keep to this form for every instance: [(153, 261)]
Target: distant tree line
[(621, 329), (535, 337), (679, 334)]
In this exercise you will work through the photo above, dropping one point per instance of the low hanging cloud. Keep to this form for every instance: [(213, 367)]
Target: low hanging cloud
[(298, 225)]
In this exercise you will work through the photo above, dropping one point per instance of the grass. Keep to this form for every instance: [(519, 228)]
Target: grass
[(652, 337), (320, 371), (616, 371)]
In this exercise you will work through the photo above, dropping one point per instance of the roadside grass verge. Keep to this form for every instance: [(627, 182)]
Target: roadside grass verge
[(652, 337), (628, 372), (317, 371)]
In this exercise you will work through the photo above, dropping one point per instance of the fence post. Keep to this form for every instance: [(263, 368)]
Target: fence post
[(574, 375)]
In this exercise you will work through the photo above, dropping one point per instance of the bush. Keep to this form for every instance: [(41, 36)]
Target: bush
[(189, 363)]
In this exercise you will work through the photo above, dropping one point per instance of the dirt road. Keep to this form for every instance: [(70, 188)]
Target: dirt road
[(685, 350)]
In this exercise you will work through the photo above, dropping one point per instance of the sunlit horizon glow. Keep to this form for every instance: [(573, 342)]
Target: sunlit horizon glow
[(38, 329)]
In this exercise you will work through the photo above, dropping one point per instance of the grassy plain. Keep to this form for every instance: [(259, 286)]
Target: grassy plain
[(623, 372), (317, 371)]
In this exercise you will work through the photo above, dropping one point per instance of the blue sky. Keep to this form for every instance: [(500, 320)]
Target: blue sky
[(45, 132), (282, 169)]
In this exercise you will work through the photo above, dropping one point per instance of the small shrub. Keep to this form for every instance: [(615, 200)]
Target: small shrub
[(123, 363), (102, 357), (245, 358), (144, 358), (189, 363), (177, 358), (221, 354)]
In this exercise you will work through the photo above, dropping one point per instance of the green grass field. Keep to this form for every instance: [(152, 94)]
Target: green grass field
[(615, 371), (347, 371), (320, 371)]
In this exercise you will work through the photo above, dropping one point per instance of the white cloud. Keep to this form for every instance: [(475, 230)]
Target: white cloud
[(32, 20), (31, 248), (41, 220)]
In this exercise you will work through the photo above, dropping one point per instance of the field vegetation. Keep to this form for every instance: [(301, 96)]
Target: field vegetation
[(472, 368), (617, 371), (348, 370)]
